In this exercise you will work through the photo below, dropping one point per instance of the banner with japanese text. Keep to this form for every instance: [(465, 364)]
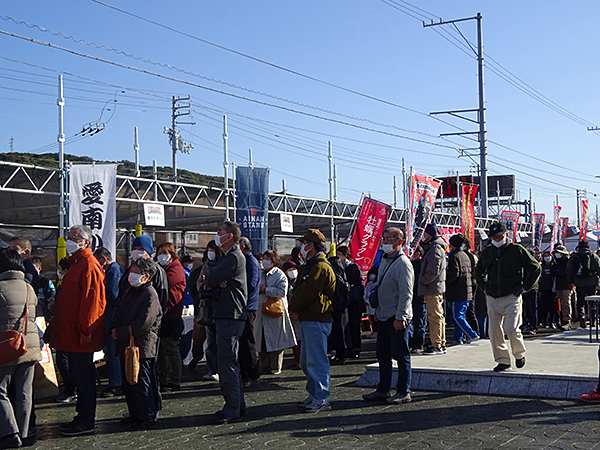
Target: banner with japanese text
[(538, 229), (563, 226), (511, 220), (555, 227), (584, 224), (92, 202), (422, 193), (467, 213), (367, 233), (252, 193)]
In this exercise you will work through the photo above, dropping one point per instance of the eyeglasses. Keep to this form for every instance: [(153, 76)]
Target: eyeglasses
[(389, 240)]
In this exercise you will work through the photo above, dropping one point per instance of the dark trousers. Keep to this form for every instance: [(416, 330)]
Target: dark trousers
[(113, 363), (355, 312), (393, 344), (471, 318), (337, 339), (230, 379), (83, 371), (530, 308), (143, 399), (62, 361), (247, 355), (582, 292), (417, 340)]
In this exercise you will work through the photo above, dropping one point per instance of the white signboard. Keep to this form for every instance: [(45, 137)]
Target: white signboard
[(154, 214), (92, 201), (287, 223)]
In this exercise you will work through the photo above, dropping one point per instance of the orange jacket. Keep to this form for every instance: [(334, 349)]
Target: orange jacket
[(79, 308)]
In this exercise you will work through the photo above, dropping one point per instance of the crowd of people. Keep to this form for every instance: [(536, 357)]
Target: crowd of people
[(248, 308)]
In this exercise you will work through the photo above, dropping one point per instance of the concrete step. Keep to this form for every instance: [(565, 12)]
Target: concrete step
[(560, 366)]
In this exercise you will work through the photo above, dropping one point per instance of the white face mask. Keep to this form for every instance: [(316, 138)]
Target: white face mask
[(137, 254), (73, 247), (266, 263), (557, 255), (499, 243), (60, 275), (388, 248), (547, 258), (135, 279), (211, 255), (303, 250), (218, 240), (164, 259), (190, 266), (293, 274)]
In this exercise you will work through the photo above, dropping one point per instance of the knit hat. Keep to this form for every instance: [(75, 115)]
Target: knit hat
[(584, 244), (496, 229), (457, 240), (144, 242), (313, 235), (431, 229), (289, 265)]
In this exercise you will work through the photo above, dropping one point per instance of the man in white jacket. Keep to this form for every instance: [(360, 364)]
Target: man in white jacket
[(394, 316)]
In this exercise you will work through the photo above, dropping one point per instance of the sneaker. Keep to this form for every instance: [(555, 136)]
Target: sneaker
[(501, 367), (530, 331), (211, 377), (566, 327), (316, 407), (276, 372), (398, 399), (520, 363), (471, 340), (77, 430), (307, 401), (112, 391), (67, 425), (375, 396), (455, 343), (11, 441), (174, 387), (582, 323), (417, 351), (435, 351), (592, 397), (65, 398)]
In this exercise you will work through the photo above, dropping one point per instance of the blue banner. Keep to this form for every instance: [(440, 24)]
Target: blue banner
[(252, 197)]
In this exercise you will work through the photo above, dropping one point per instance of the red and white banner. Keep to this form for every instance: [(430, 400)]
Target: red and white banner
[(563, 226), (422, 193), (369, 227), (446, 234), (467, 212), (511, 220), (538, 229), (555, 228), (583, 225)]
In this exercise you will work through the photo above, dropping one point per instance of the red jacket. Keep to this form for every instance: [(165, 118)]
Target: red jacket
[(80, 303), (177, 283)]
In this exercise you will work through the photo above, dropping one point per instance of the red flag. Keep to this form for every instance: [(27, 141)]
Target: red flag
[(563, 226), (555, 235), (423, 191), (367, 233), (583, 225), (538, 229), (511, 220), (467, 215)]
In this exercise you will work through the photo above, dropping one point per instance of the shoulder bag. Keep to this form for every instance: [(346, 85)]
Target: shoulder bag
[(273, 307), (374, 296), (12, 342)]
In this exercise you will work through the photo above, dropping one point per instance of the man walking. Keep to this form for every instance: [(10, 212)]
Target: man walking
[(311, 303), (78, 325), (504, 272), (394, 316), (230, 315)]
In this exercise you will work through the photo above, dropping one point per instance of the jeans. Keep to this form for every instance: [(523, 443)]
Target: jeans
[(15, 413), (483, 327), (230, 378), (143, 399), (417, 340), (314, 361), (461, 327), (393, 344), (113, 362), (62, 361), (83, 372)]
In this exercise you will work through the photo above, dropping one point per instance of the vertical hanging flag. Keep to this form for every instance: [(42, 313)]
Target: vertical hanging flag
[(252, 193), (511, 220), (583, 225), (92, 202), (368, 229), (538, 229), (467, 213), (556, 227), (422, 193), (562, 230)]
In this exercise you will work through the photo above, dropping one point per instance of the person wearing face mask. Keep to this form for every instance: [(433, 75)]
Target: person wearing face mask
[(356, 308), (273, 334), (139, 315), (169, 363), (188, 265), (505, 271), (291, 271), (564, 288), (78, 325), (548, 313), (312, 304)]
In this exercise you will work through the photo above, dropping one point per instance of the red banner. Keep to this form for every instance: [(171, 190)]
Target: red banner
[(538, 229), (422, 194), (511, 220), (583, 225), (563, 226), (555, 228), (467, 212), (369, 227)]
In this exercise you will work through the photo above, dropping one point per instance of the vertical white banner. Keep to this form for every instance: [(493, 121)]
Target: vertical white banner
[(92, 202)]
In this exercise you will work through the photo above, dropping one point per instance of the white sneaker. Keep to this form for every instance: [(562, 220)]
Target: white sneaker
[(211, 377), (316, 407)]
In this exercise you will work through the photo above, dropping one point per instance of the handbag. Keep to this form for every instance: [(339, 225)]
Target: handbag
[(132, 360), (272, 307), (374, 296), (12, 342)]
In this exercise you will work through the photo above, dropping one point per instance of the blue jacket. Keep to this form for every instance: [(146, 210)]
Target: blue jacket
[(187, 298), (253, 280), (112, 275)]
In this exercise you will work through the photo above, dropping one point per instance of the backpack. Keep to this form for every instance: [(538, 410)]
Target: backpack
[(341, 295), (584, 265)]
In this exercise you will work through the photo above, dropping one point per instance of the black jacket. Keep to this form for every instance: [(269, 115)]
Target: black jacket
[(233, 299), (459, 287), (158, 281)]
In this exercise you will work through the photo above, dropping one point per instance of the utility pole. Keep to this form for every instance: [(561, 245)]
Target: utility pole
[(330, 158), (177, 143), (226, 168), (11, 144), (483, 188), (581, 194), (61, 157), (136, 148)]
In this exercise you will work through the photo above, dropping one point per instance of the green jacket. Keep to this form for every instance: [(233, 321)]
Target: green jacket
[(313, 291), (510, 269)]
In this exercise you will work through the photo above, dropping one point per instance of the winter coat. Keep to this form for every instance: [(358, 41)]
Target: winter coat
[(459, 286), (432, 278), (112, 276), (158, 280), (314, 290), (13, 296), (176, 283), (573, 265), (140, 309), (418, 299), (559, 270), (253, 274), (80, 304), (233, 298), (277, 331), (547, 280), (395, 288)]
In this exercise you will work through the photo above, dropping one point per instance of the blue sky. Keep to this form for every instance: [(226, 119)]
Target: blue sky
[(374, 47)]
